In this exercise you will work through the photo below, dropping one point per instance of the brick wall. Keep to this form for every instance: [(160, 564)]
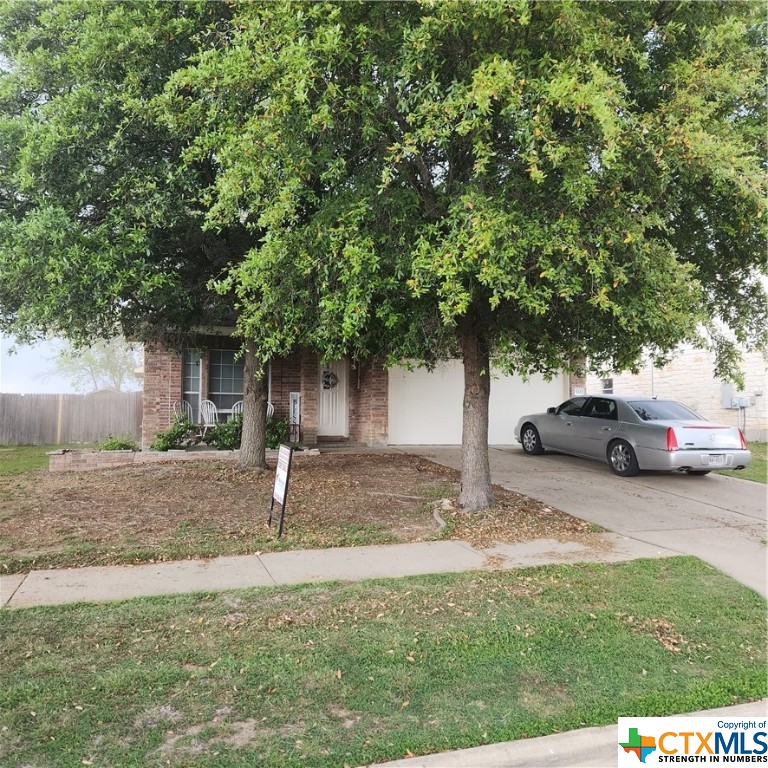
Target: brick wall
[(83, 461), (285, 378), (577, 384), (86, 461), (368, 404), (162, 388), (367, 392), (367, 397), (689, 378), (309, 384)]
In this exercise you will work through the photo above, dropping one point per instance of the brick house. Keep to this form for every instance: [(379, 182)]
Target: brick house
[(369, 405), (337, 401)]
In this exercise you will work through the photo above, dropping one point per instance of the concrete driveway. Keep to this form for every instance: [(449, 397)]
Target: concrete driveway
[(719, 519)]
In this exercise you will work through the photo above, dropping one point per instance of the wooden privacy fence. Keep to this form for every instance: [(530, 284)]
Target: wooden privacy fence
[(59, 419)]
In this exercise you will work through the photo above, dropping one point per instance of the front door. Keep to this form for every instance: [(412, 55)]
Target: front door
[(332, 401)]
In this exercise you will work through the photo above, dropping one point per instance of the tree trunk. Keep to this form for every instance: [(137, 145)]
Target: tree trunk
[(475, 466), (253, 447)]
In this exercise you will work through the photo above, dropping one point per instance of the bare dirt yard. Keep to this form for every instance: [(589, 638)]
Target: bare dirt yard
[(169, 511)]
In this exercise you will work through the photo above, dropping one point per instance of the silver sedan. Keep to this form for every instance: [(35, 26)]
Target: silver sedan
[(634, 433)]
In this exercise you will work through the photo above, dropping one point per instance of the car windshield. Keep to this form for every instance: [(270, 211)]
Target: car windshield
[(662, 410)]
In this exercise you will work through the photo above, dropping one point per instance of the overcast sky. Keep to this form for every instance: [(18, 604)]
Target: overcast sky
[(28, 371)]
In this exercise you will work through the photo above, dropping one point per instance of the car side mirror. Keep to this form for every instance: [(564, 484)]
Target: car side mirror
[(551, 410)]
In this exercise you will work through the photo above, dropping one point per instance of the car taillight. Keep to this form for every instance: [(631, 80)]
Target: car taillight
[(672, 440), (743, 440)]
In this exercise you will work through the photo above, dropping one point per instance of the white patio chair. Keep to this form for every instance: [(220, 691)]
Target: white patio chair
[(209, 414), (182, 411), (238, 408)]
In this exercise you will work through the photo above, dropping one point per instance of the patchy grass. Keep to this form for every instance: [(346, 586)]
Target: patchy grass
[(173, 511), (757, 470), (18, 459), (333, 675)]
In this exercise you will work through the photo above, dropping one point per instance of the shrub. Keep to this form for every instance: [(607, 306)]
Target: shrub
[(173, 437), (122, 443), (277, 432), (226, 436)]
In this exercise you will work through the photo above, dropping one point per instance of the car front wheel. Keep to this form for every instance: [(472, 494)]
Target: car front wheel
[(530, 440), (622, 459)]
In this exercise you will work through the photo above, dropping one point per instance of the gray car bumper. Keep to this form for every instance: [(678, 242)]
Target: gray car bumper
[(701, 460)]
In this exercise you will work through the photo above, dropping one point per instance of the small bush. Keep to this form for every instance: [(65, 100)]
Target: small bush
[(123, 443), (229, 435), (277, 432), (226, 436), (173, 437)]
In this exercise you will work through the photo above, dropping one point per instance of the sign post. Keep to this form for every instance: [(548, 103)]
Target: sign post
[(280, 491), (294, 417)]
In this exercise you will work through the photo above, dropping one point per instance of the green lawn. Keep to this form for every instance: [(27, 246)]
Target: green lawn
[(758, 469), (338, 674), (15, 459)]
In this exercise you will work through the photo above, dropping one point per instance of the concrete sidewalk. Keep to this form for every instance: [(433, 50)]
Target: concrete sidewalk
[(589, 747), (585, 748), (96, 584)]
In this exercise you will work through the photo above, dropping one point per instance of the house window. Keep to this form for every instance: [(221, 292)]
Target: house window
[(607, 386), (225, 378), (191, 387)]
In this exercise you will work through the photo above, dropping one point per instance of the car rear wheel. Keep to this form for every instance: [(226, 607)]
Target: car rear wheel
[(622, 459), (531, 442)]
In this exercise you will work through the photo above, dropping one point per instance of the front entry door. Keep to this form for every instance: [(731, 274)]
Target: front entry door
[(332, 400)]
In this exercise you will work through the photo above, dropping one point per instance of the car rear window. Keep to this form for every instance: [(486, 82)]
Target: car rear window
[(662, 410)]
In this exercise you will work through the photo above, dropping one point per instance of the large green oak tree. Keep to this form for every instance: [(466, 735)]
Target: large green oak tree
[(523, 184)]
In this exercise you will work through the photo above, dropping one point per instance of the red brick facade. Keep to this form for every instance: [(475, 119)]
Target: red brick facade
[(368, 404), (162, 388), (309, 396), (367, 392)]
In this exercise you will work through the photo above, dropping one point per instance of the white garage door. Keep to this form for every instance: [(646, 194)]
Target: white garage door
[(426, 408)]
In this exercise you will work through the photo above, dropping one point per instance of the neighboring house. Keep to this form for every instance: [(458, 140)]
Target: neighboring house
[(689, 378), (337, 401)]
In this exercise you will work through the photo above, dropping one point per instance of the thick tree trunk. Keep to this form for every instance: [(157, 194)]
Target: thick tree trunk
[(475, 466), (253, 446)]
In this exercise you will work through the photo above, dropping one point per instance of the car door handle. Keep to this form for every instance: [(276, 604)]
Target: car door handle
[(568, 423), (606, 429)]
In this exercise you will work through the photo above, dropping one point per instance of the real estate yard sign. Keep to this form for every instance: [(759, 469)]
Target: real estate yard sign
[(280, 491)]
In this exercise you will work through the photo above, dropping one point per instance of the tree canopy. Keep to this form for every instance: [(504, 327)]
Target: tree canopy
[(100, 225), (536, 183), (533, 183), (110, 365), (102, 221)]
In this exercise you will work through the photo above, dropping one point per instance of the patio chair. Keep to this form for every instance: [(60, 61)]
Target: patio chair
[(182, 411), (238, 408), (209, 415)]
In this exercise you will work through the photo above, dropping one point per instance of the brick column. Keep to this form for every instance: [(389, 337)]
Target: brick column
[(285, 378), (309, 378), (163, 370), (368, 404)]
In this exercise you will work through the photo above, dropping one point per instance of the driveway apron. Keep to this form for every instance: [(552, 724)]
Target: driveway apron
[(720, 519)]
